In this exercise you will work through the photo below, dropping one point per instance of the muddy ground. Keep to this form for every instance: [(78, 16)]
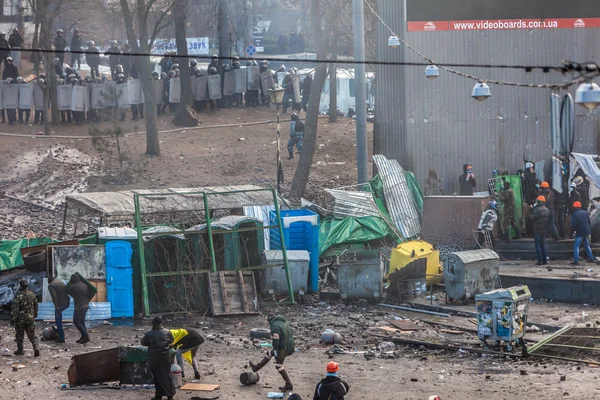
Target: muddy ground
[(417, 373)]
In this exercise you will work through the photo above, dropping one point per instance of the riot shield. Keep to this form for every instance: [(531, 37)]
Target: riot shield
[(229, 83), (175, 90), (214, 87), (253, 77), (280, 77), (267, 82), (97, 100), (122, 94), (1, 95), (25, 96), (64, 97), (240, 80), (38, 98), (134, 91), (159, 86), (296, 84), (78, 95), (10, 96), (201, 84)]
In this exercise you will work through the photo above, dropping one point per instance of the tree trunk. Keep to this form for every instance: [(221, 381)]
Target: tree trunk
[(35, 44), (52, 83), (310, 132), (333, 92), (183, 116), (223, 28)]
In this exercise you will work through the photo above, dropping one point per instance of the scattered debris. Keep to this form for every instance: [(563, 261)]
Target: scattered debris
[(202, 387)]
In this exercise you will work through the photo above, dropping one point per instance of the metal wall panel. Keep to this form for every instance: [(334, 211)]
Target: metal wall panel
[(435, 125)]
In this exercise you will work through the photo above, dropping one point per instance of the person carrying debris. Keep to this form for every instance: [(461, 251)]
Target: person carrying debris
[(23, 314), (550, 198), (539, 219), (580, 225), (60, 298), (296, 135), (466, 182), (507, 197), (331, 387), (283, 346), (158, 340), (82, 293), (186, 342)]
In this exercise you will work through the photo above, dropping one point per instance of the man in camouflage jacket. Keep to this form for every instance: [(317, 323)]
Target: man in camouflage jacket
[(23, 313)]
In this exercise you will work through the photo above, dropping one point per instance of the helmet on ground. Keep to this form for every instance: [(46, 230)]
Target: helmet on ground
[(8, 80), (541, 199), (212, 71), (163, 75), (528, 165), (333, 367), (294, 117), (493, 204), (193, 63), (577, 204), (59, 31), (50, 333)]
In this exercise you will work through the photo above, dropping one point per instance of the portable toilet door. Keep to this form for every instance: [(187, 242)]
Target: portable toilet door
[(119, 278)]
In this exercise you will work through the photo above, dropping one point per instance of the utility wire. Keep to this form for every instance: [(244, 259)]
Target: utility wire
[(585, 71)]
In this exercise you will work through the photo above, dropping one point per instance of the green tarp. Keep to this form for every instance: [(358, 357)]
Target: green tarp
[(10, 255), (516, 186)]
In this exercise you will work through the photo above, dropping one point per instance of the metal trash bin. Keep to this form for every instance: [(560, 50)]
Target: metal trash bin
[(502, 316), (468, 273)]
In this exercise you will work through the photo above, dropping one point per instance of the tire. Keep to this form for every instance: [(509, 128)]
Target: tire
[(259, 333), (34, 258)]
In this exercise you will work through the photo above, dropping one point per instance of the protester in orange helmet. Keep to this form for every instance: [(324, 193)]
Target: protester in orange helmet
[(331, 387), (550, 198), (539, 219)]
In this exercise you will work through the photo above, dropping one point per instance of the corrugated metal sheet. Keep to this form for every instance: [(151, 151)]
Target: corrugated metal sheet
[(433, 127), (122, 203), (97, 311), (398, 197), (353, 204)]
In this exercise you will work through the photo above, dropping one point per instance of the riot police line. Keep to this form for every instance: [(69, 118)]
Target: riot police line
[(88, 99)]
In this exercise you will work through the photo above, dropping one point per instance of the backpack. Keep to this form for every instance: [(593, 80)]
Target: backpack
[(299, 126)]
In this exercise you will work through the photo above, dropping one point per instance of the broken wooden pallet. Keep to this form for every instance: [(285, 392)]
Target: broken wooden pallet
[(232, 292)]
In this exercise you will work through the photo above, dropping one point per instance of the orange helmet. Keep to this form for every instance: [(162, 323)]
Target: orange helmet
[(545, 185), (577, 204), (541, 198), (333, 367)]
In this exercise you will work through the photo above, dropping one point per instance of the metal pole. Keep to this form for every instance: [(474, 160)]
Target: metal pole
[(279, 166), (288, 277), (213, 260), (358, 14), (138, 227)]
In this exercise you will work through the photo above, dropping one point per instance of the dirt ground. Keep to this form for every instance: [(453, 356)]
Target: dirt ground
[(417, 373), (42, 170)]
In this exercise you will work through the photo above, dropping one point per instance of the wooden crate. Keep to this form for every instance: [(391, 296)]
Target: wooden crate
[(233, 292), (100, 285)]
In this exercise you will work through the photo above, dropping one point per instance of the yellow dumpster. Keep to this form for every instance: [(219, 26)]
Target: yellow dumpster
[(405, 253)]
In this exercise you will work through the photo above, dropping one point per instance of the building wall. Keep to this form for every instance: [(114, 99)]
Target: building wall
[(434, 126)]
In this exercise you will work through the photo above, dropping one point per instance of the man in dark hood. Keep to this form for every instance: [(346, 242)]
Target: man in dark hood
[(331, 387), (10, 71), (466, 181), (159, 341), (531, 183), (82, 293), (283, 346)]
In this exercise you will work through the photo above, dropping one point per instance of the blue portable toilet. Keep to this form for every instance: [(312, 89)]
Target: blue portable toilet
[(119, 278), (301, 232)]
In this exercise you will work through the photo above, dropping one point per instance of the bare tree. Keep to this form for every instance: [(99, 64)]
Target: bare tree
[(323, 19), (143, 10), (184, 116)]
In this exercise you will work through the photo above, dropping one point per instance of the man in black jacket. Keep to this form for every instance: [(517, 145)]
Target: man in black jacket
[(531, 184), (466, 181), (549, 195), (539, 219), (4, 48), (92, 57), (580, 225), (560, 210), (158, 341), (60, 44), (114, 56), (60, 298), (82, 295), (10, 71), (331, 387), (76, 46), (15, 39)]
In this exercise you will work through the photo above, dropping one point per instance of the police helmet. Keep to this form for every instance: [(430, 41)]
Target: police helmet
[(176, 72), (249, 64), (120, 77), (281, 69), (175, 66), (75, 30), (225, 67), (193, 63), (2, 34), (82, 81), (70, 77), (15, 30), (98, 80), (20, 79), (194, 70), (56, 60), (212, 71), (8, 80), (9, 59), (171, 74), (88, 79), (73, 81), (42, 76), (91, 43), (41, 82), (113, 42), (104, 78), (163, 75), (254, 64), (214, 57), (236, 58), (119, 68), (236, 65), (198, 72), (294, 117), (61, 81), (155, 75), (59, 31), (263, 64)]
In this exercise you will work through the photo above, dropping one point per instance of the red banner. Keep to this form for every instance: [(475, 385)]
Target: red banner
[(502, 24)]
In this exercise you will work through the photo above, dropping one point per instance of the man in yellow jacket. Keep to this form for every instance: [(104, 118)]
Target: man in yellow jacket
[(187, 341)]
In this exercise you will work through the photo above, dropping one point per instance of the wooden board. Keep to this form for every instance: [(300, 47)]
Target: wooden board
[(406, 326), (232, 292), (100, 286), (204, 387)]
